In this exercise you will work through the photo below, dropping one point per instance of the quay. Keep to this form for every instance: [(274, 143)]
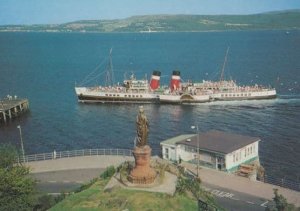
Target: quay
[(11, 107)]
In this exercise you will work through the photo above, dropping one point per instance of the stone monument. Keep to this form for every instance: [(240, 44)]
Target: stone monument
[(142, 173)]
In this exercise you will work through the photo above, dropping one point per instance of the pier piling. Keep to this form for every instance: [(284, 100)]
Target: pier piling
[(12, 107)]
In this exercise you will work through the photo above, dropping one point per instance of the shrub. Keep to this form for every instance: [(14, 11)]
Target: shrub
[(109, 172)]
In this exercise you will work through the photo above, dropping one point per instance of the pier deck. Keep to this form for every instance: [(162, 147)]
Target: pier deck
[(12, 107)]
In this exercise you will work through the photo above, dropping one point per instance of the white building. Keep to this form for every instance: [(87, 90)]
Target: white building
[(217, 149)]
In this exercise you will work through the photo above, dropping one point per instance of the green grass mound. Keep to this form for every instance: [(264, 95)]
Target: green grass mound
[(95, 198)]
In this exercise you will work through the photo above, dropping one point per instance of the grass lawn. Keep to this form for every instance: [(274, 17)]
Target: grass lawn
[(94, 198)]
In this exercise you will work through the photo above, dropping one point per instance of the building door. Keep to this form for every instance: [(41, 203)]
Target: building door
[(220, 163)]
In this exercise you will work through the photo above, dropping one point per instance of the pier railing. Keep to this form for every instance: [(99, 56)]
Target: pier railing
[(75, 153)]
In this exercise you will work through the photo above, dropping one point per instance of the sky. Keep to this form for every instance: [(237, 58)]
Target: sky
[(62, 11)]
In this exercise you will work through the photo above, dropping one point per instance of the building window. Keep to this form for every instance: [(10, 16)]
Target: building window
[(245, 155), (167, 153), (233, 158)]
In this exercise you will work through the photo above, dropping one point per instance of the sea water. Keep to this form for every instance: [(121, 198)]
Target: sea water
[(44, 67)]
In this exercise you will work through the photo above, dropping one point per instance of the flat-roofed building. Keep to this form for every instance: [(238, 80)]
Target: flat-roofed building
[(217, 149)]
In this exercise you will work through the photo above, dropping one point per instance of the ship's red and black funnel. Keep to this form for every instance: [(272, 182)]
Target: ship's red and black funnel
[(175, 80), (154, 83)]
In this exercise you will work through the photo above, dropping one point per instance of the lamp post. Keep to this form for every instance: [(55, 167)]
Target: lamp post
[(198, 155), (21, 139)]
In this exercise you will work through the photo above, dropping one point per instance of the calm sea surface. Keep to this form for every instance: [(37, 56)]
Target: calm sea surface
[(44, 68)]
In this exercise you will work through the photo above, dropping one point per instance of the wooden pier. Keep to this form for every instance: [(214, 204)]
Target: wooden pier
[(12, 107)]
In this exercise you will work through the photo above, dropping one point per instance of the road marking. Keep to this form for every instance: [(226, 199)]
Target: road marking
[(235, 199), (52, 181), (249, 202), (264, 204), (222, 194)]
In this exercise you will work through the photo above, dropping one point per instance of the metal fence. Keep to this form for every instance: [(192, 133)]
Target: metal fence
[(75, 153), (282, 182)]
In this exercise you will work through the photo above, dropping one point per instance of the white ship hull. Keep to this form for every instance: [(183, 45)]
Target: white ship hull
[(183, 99), (244, 95), (94, 95)]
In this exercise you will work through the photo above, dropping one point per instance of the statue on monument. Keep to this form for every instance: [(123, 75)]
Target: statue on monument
[(142, 126), (142, 173)]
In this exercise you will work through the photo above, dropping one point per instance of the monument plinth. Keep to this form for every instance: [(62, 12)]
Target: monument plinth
[(142, 173)]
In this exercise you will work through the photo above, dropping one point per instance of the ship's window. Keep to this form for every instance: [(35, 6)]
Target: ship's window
[(222, 95), (233, 95), (110, 95), (241, 95), (114, 95), (118, 95), (141, 96), (125, 95), (237, 95), (129, 95), (106, 94), (226, 95)]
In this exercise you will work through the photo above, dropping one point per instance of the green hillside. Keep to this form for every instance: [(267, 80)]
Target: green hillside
[(95, 198), (174, 23)]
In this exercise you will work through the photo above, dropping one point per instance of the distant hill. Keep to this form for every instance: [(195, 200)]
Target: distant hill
[(289, 19)]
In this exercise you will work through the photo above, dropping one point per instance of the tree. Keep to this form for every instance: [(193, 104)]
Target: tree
[(280, 203), (17, 189)]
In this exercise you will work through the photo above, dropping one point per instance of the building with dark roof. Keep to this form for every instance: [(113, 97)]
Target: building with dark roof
[(217, 149)]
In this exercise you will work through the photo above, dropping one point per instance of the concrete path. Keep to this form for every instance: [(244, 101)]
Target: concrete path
[(168, 185), (243, 185)]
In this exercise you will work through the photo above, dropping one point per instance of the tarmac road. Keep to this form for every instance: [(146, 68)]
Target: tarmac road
[(236, 201), (55, 182)]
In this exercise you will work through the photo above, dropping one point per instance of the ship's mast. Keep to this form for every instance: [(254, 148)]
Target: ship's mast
[(223, 68), (110, 78)]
